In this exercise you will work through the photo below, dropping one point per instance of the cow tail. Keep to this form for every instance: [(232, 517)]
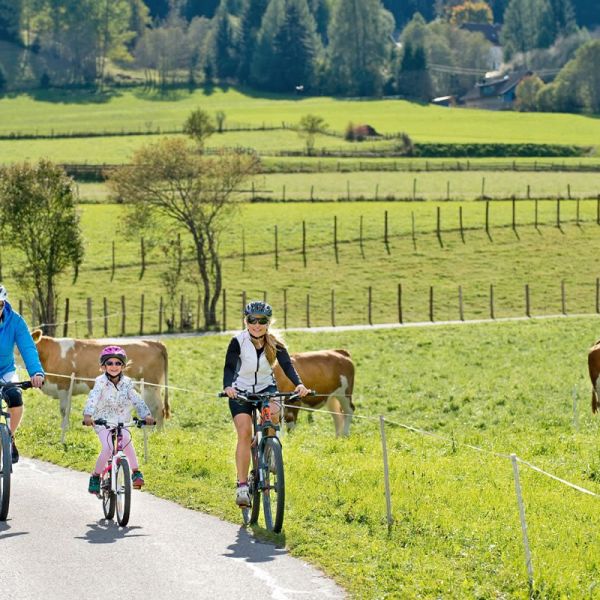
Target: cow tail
[(594, 401), (166, 407)]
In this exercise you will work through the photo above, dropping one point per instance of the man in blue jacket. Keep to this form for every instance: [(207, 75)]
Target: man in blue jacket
[(13, 330)]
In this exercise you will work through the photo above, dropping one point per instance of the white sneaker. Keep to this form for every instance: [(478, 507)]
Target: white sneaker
[(242, 495)]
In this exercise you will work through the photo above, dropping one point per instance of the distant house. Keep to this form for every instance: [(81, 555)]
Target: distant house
[(496, 91), (491, 32)]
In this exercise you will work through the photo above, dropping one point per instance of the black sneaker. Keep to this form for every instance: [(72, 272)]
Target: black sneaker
[(14, 452)]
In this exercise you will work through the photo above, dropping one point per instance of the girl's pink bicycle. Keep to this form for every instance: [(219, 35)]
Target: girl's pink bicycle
[(115, 479)]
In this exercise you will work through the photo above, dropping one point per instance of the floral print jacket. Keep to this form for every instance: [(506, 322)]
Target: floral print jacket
[(114, 402)]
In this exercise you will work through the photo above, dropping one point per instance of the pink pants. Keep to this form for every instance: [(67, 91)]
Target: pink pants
[(106, 440)]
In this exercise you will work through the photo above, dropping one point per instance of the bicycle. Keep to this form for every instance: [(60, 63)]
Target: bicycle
[(266, 477), (5, 447), (115, 479)]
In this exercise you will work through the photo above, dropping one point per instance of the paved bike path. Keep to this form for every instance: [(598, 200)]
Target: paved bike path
[(56, 545)]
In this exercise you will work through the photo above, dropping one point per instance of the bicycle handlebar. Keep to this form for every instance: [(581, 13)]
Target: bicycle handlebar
[(24, 385), (112, 425), (259, 396)]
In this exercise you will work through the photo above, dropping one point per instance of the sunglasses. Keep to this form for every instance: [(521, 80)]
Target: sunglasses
[(252, 320), (115, 363)]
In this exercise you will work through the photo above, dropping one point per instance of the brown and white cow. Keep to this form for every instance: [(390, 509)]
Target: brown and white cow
[(331, 374), (594, 368), (63, 356)]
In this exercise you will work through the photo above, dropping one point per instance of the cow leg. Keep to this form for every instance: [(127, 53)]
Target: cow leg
[(344, 406), (153, 400)]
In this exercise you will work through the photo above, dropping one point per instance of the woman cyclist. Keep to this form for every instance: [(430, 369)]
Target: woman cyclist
[(14, 331), (112, 398), (248, 369)]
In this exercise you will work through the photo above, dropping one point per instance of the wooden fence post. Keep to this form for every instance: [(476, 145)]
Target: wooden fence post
[(308, 310), (123, 315), (414, 234), (400, 316), (527, 305), (360, 237), (333, 308), (224, 326), (160, 314), (558, 212), (386, 475), (577, 213), (514, 215), (431, 303), (276, 250), (335, 244), (142, 315), (143, 257), (439, 226), (385, 232), (112, 271), (460, 224), (304, 242), (563, 297), (285, 308), (66, 321), (482, 188), (536, 214), (492, 315), (65, 419), (487, 218), (105, 314), (370, 306), (461, 313), (89, 318), (414, 193)]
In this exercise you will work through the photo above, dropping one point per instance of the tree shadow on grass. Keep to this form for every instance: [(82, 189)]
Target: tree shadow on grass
[(71, 95)]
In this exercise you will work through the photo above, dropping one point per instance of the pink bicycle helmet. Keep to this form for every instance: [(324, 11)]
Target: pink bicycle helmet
[(113, 352)]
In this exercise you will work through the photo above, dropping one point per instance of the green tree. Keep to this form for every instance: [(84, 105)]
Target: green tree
[(10, 15), (39, 216), (195, 193), (222, 46), (308, 127), (199, 126), (527, 93), (248, 34), (359, 47), (528, 24)]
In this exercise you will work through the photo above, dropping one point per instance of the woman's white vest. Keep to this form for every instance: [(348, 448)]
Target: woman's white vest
[(254, 373)]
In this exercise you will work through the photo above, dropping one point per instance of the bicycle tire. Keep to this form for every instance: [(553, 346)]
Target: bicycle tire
[(123, 499), (108, 497), (6, 466), (273, 489), (254, 482)]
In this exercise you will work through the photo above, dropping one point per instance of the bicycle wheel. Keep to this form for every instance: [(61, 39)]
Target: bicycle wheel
[(108, 496), (273, 491), (253, 482), (123, 492), (6, 466)]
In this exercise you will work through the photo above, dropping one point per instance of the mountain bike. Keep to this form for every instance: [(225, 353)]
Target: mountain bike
[(115, 479), (266, 477), (5, 447)]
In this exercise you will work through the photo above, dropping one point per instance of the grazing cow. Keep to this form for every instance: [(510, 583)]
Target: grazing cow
[(64, 356), (331, 374), (594, 367)]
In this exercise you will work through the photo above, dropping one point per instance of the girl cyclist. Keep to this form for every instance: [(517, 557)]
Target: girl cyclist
[(248, 369), (112, 398)]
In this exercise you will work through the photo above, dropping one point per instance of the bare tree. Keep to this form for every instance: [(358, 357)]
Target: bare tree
[(194, 192), (39, 215)]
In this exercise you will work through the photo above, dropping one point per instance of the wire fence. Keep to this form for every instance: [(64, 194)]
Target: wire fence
[(514, 459)]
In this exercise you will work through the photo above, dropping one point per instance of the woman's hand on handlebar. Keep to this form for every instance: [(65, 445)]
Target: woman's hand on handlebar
[(231, 392), (87, 420), (301, 390)]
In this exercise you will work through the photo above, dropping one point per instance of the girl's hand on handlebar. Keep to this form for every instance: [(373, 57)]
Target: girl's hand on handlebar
[(231, 392), (87, 420), (150, 420), (301, 390)]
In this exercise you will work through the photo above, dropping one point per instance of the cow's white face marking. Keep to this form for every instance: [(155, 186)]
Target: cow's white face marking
[(65, 346)]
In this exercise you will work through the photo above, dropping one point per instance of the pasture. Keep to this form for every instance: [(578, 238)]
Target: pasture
[(53, 111), (508, 259), (504, 388)]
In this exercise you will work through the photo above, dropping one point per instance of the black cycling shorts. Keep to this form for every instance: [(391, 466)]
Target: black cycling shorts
[(13, 397), (237, 408)]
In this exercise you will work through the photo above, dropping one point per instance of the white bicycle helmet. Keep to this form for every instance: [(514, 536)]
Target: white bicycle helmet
[(3, 293)]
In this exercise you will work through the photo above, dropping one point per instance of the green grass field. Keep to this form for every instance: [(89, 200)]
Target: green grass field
[(511, 259), (504, 388), (73, 111)]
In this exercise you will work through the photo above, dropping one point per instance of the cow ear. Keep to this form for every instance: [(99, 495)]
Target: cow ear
[(36, 334)]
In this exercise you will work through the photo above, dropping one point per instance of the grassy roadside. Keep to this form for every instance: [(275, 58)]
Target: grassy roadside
[(505, 388)]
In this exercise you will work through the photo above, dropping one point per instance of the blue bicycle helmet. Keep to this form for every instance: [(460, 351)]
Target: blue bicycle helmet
[(257, 307)]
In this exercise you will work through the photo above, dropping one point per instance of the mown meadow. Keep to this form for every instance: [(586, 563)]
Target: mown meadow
[(501, 387)]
